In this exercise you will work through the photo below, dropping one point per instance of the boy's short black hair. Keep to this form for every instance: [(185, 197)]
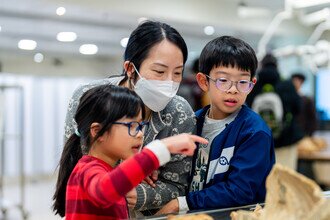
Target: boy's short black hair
[(195, 67), (228, 51)]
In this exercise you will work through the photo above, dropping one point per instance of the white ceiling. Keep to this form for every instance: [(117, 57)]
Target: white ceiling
[(106, 22)]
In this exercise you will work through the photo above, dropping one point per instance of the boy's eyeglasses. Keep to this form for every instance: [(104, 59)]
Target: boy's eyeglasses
[(134, 127), (224, 84)]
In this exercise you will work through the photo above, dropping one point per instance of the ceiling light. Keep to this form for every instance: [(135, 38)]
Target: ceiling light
[(60, 11), (27, 44), (0, 28), (88, 49), (38, 57), (124, 41), (66, 36), (209, 30)]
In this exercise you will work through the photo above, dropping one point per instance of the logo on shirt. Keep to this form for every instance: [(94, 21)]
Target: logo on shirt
[(223, 161), (221, 164)]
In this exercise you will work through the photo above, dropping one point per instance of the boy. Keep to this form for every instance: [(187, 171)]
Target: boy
[(231, 170)]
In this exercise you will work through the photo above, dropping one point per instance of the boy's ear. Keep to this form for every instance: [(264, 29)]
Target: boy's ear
[(95, 129), (254, 80), (202, 81), (129, 69)]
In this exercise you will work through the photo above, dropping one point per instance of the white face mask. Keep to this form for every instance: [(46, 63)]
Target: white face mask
[(155, 94)]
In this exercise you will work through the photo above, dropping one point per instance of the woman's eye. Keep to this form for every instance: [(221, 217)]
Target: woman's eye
[(178, 73), (158, 71)]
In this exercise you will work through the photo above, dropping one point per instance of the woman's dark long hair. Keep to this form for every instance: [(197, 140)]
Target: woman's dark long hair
[(147, 35), (102, 104)]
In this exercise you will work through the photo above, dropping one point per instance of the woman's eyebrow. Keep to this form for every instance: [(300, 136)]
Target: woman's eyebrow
[(179, 67), (163, 65), (160, 64)]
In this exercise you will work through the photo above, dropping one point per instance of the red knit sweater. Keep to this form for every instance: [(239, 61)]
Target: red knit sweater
[(97, 191)]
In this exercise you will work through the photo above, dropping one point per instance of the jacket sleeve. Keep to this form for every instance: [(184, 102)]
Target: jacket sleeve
[(171, 183), (249, 167), (173, 177), (106, 188)]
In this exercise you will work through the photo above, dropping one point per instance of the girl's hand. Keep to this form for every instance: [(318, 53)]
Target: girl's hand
[(183, 143), (131, 198), (151, 179)]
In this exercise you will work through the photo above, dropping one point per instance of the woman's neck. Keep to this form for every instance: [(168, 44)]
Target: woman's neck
[(148, 113)]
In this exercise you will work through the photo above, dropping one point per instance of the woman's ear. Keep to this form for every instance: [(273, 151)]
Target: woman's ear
[(95, 129), (202, 81), (129, 69)]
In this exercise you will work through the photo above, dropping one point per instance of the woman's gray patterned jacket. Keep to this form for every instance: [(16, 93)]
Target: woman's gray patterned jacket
[(177, 117)]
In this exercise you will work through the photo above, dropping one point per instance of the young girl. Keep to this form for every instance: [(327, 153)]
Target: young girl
[(109, 128)]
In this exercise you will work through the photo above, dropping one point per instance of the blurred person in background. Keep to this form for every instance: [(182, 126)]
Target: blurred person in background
[(153, 67), (307, 118), (189, 88), (268, 74), (290, 132)]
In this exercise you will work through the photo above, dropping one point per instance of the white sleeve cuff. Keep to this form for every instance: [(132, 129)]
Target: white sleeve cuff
[(160, 150), (183, 206)]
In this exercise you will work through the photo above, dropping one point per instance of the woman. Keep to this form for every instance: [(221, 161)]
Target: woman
[(154, 61)]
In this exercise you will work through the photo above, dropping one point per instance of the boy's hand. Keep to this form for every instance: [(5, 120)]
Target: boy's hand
[(183, 143), (151, 179), (171, 207), (131, 198)]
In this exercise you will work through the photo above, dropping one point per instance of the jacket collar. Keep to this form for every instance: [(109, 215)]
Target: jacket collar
[(200, 115)]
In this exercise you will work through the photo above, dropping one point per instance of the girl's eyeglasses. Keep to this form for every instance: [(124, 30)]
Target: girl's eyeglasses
[(224, 84), (134, 127)]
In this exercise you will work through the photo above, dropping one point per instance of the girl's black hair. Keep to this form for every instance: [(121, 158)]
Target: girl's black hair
[(228, 51), (147, 35), (102, 104)]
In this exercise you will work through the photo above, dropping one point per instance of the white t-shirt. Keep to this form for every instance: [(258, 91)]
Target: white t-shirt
[(211, 129)]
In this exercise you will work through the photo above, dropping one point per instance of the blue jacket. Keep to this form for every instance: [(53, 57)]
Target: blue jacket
[(241, 157)]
